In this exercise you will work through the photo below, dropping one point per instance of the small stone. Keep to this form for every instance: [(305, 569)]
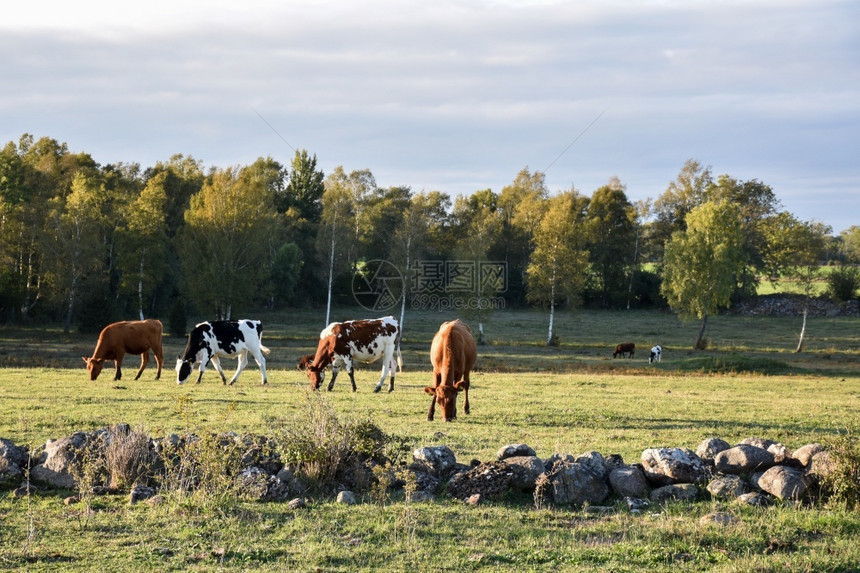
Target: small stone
[(720, 518), (475, 499), (346, 497), (297, 503)]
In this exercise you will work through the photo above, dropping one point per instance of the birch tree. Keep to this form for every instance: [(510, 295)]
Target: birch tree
[(702, 263), (556, 272), (793, 253)]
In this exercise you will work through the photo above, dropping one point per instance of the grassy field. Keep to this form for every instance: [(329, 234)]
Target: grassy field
[(566, 399)]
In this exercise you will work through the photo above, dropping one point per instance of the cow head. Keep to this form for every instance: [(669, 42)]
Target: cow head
[(316, 375), (94, 365), (183, 370), (446, 398)]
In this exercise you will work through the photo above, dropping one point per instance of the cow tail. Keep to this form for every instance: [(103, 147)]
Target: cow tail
[(399, 356), (265, 350)]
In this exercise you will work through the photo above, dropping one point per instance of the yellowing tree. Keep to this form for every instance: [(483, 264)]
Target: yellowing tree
[(703, 262), (557, 270), (230, 230)]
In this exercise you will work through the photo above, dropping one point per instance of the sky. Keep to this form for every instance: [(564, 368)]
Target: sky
[(455, 95)]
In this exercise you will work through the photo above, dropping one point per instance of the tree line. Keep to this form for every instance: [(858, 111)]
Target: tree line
[(85, 244)]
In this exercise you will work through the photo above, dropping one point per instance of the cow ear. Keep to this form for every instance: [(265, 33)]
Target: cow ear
[(429, 389), (460, 386), (86, 359)]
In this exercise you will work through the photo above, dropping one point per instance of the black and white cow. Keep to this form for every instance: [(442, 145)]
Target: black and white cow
[(222, 339), (656, 354)]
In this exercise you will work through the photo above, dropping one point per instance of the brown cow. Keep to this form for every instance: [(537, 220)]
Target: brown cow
[(305, 361), (623, 349), (453, 354), (129, 337), (343, 343)]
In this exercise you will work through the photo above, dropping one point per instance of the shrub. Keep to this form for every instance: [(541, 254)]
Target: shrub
[(842, 485), (320, 446), (843, 282), (129, 460)]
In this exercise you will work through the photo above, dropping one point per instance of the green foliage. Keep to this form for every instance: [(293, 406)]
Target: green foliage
[(841, 487), (702, 264), (843, 283), (320, 443)]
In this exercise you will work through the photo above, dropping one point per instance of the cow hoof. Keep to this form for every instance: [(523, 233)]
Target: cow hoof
[(376, 390)]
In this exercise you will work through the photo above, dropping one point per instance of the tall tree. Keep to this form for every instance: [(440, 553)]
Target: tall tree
[(520, 208), (421, 222), (475, 227), (344, 196), (77, 218), (756, 201), (226, 242), (794, 251), (685, 193), (555, 271), (702, 263), (611, 224), (144, 240)]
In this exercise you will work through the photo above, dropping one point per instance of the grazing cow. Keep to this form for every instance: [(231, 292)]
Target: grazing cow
[(130, 337), (453, 354), (656, 354), (343, 343), (624, 348), (222, 339), (304, 361)]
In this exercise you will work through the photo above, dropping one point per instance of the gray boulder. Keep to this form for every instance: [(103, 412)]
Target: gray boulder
[(727, 487), (820, 466), (804, 454), (514, 451), (709, 448), (60, 460), (784, 482), (13, 463), (435, 460), (524, 471), (675, 492), (346, 497), (629, 481), (762, 443), (742, 459), (665, 466), (579, 482)]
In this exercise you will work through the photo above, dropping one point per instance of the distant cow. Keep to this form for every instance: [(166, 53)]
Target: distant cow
[(343, 343), (624, 348), (453, 354), (130, 337), (222, 339), (656, 354)]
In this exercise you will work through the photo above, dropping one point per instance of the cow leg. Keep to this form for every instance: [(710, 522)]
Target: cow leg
[(118, 373), (432, 409), (392, 368), (261, 362), (385, 368), (334, 372), (159, 361), (466, 393), (351, 373), (243, 361), (144, 360)]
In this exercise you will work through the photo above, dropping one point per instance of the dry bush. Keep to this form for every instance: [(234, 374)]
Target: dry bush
[(129, 458)]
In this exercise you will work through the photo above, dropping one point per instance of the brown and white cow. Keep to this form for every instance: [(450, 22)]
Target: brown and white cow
[(453, 354), (624, 348), (343, 343), (128, 337)]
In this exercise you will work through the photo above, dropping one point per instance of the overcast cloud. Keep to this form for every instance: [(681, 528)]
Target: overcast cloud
[(454, 95)]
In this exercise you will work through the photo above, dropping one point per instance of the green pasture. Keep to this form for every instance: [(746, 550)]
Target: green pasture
[(567, 399)]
